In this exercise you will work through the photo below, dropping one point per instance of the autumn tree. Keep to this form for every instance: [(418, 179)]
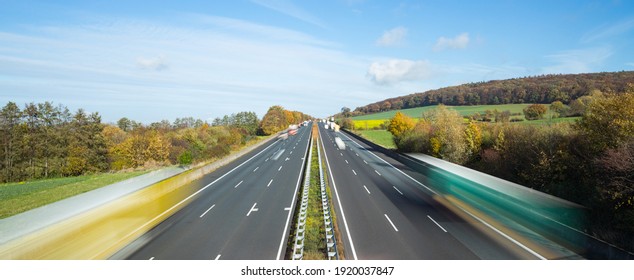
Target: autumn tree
[(399, 124), (473, 136), (609, 121), (274, 120), (535, 111), (347, 123), (447, 139)]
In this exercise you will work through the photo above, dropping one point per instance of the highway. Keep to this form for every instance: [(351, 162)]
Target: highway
[(387, 211), (240, 211)]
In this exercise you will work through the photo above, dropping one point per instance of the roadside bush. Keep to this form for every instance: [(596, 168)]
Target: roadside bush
[(185, 158)]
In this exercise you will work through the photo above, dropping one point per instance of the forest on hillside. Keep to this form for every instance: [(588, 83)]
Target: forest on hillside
[(543, 89), (48, 141)]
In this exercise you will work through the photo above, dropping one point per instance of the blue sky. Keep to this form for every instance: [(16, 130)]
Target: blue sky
[(154, 60)]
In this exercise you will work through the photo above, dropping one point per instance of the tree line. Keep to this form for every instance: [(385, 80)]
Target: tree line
[(590, 162), (543, 89), (46, 140)]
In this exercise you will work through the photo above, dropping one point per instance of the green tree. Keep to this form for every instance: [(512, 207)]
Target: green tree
[(185, 158), (345, 112), (248, 121), (87, 148), (124, 124), (10, 118), (51, 147), (557, 109)]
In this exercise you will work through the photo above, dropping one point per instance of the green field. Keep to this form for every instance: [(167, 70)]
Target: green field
[(380, 137), (16, 198), (463, 110), (374, 121)]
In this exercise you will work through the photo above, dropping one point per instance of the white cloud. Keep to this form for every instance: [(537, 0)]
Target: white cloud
[(577, 61), (153, 63), (459, 42), (392, 37), (398, 70)]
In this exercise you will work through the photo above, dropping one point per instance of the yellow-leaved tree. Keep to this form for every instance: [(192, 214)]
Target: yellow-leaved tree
[(400, 124)]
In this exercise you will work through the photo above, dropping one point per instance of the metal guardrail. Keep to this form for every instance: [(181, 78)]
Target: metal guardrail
[(298, 243), (331, 242)]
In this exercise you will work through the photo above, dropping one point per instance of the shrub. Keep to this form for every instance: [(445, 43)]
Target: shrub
[(185, 158)]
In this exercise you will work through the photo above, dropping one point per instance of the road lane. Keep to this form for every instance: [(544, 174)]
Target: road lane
[(380, 199), (243, 215)]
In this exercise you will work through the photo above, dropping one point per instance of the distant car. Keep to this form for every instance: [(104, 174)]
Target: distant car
[(340, 144)]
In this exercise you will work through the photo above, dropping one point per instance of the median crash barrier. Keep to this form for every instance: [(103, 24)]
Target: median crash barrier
[(102, 231)]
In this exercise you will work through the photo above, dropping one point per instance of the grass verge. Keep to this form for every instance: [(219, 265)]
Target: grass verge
[(380, 137), (16, 198)]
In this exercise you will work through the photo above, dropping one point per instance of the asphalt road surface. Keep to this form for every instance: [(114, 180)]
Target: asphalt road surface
[(243, 210), (387, 211)]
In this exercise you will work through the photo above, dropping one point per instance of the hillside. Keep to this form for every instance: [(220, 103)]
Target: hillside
[(540, 89)]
